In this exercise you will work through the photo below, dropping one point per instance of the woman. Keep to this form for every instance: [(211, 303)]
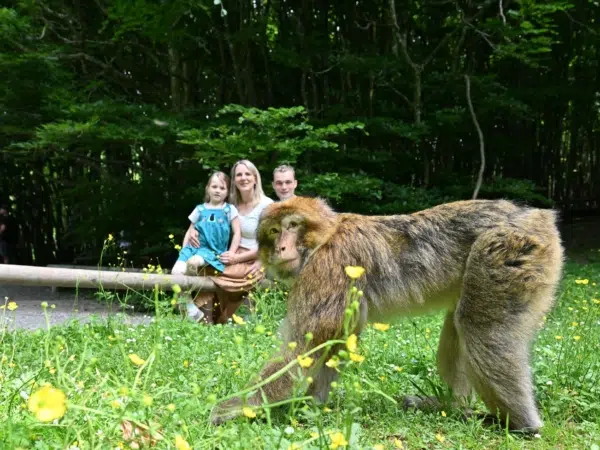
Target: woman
[(242, 267)]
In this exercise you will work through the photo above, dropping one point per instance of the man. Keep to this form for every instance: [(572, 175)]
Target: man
[(8, 236), (284, 182)]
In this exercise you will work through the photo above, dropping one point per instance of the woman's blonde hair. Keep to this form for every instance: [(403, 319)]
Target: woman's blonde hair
[(222, 176), (234, 195)]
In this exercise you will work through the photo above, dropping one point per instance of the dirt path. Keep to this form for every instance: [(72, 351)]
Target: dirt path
[(29, 313)]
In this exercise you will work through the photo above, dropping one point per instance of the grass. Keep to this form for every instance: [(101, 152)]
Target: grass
[(186, 368)]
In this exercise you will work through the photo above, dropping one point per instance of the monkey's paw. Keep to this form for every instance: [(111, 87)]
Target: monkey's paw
[(421, 403), (225, 411)]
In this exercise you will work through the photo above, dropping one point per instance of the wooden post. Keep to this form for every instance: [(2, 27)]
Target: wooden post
[(86, 278)]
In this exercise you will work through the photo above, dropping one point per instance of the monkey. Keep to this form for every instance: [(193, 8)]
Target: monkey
[(492, 265)]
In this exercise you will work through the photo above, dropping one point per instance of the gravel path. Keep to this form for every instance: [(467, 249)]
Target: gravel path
[(69, 306)]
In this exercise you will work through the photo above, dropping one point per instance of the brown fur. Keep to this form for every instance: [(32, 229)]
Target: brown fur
[(493, 265)]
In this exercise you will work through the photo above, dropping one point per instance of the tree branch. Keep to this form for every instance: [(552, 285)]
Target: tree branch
[(396, 91), (502, 12), (90, 58), (480, 133)]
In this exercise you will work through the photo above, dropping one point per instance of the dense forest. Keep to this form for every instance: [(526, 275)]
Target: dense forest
[(113, 112)]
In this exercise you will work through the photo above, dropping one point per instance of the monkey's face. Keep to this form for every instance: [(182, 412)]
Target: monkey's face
[(280, 243)]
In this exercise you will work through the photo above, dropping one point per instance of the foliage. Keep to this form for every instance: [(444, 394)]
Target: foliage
[(114, 112), (275, 134)]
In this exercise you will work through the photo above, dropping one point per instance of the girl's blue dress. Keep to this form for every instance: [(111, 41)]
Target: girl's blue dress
[(214, 231)]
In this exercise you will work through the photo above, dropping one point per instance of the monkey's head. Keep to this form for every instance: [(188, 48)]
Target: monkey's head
[(290, 230)]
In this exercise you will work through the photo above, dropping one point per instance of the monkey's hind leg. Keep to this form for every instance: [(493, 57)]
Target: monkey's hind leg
[(506, 291)]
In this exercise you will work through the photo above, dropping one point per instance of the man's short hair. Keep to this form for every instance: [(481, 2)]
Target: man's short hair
[(284, 168)]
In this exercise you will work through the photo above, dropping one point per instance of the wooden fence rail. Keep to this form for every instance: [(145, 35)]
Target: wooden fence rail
[(93, 277)]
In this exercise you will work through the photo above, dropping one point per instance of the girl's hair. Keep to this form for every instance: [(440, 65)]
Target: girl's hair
[(234, 194), (222, 177)]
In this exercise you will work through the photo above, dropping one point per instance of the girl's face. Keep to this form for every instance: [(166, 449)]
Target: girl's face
[(244, 179), (217, 190)]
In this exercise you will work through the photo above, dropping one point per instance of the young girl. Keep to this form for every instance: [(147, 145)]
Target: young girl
[(215, 221)]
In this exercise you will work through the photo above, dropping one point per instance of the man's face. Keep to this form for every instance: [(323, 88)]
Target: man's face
[(284, 184)]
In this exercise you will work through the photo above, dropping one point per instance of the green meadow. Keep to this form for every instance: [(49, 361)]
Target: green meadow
[(109, 385)]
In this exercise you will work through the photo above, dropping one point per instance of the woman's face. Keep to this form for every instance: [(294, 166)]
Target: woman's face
[(244, 179)]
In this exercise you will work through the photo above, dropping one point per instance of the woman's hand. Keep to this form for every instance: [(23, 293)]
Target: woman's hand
[(194, 241), (255, 267), (228, 258)]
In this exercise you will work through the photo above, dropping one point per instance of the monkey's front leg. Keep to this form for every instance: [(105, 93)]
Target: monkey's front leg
[(278, 389)]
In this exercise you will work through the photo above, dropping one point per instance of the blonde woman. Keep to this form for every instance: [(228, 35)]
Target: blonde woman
[(242, 268)]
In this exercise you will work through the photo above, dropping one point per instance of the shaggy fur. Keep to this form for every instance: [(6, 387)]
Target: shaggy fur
[(493, 265)]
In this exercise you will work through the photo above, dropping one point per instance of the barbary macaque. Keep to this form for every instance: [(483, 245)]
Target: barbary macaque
[(492, 265)]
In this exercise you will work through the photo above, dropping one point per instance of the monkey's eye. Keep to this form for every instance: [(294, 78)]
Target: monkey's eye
[(292, 225), (273, 231)]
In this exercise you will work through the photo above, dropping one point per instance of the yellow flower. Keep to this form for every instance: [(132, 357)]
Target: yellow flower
[(186, 364), (248, 412), (181, 443), (576, 337), (292, 345), (44, 305), (558, 338), (333, 363), (177, 247), (574, 324), (398, 443), (356, 357), (443, 413), (351, 343), (12, 306), (354, 272), (136, 359), (305, 362), (584, 281), (176, 288), (440, 438), (238, 319), (115, 404), (110, 237), (47, 403), (381, 326), (171, 236), (378, 447), (337, 440), (171, 407), (147, 400)]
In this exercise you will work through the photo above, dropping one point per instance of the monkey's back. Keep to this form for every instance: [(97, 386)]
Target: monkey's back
[(430, 249)]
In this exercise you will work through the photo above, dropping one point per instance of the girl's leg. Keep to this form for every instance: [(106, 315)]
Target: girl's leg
[(188, 309), (179, 268), (194, 264)]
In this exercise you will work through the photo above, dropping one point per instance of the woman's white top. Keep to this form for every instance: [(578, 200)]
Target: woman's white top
[(249, 224)]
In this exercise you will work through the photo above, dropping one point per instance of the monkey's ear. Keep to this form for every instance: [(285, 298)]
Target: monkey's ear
[(320, 221)]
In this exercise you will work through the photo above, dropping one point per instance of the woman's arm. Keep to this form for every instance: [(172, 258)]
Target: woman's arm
[(237, 235), (246, 256), (191, 237)]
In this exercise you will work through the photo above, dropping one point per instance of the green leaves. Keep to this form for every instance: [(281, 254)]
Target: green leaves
[(282, 134)]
